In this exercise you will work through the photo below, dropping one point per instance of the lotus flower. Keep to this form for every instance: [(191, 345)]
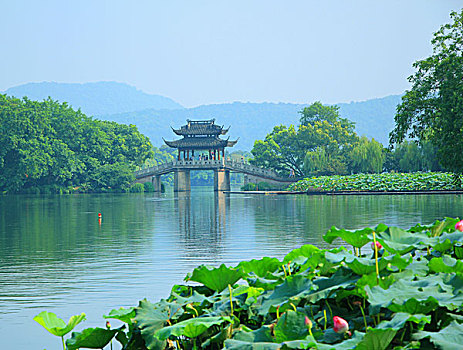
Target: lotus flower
[(308, 322), (459, 226), (378, 246), (340, 325)]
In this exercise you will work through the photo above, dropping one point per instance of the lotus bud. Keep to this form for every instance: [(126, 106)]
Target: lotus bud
[(308, 322), (378, 246), (459, 226), (340, 325), (108, 325)]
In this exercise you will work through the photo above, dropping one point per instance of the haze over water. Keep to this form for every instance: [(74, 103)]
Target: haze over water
[(55, 256)]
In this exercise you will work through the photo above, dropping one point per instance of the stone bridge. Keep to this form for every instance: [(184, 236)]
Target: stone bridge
[(221, 168)]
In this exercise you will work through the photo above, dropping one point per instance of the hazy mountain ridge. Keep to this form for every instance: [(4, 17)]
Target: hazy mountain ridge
[(95, 98), (252, 121), (154, 114)]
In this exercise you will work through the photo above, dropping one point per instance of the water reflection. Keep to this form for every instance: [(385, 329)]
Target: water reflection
[(54, 255)]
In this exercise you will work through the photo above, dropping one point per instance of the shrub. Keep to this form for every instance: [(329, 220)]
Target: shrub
[(137, 188), (249, 187), (148, 187)]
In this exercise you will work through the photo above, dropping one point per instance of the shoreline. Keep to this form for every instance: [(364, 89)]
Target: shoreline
[(348, 193)]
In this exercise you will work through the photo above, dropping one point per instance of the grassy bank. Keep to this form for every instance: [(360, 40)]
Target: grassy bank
[(378, 182), (406, 293)]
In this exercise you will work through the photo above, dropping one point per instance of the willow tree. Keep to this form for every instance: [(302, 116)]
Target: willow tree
[(433, 108)]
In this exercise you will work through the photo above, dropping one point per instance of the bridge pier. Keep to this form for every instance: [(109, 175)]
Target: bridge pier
[(221, 180), (156, 181), (182, 181)]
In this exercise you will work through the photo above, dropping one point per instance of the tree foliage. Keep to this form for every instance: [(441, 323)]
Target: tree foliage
[(433, 108), (49, 144), (320, 144)]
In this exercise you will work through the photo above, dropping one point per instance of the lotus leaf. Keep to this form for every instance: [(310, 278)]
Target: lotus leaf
[(124, 315), (451, 337), (447, 240), (216, 278), (260, 267), (190, 328), (290, 326), (397, 240), (445, 264), (57, 326), (400, 318), (301, 254), (263, 334), (377, 339), (360, 266), (356, 238), (150, 319), (415, 296), (293, 288), (91, 338), (233, 344)]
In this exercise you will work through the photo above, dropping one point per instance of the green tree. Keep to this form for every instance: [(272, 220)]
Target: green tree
[(367, 156), (286, 148), (433, 108)]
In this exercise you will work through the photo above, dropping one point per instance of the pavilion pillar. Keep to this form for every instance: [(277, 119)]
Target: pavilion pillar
[(188, 154), (221, 180), (157, 183), (218, 155), (182, 180)]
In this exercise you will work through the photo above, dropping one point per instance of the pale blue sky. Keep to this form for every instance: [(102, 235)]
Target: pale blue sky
[(202, 52)]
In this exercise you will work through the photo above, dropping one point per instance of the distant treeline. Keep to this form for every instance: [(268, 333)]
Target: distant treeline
[(47, 147)]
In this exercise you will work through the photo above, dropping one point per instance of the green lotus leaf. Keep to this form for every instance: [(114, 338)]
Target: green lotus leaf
[(293, 288), (252, 293), (124, 315), (216, 278), (324, 286), (415, 296), (260, 267), (190, 328), (261, 335), (396, 240), (346, 344), (458, 251), (371, 280), (356, 238), (264, 283), (418, 267), (400, 262), (57, 326), (360, 266), (447, 240), (300, 255), (195, 298), (307, 343), (378, 339), (290, 326), (451, 337), (91, 338), (150, 319), (445, 264), (233, 344), (400, 318)]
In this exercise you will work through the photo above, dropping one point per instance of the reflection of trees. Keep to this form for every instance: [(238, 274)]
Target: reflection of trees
[(202, 219), (305, 219)]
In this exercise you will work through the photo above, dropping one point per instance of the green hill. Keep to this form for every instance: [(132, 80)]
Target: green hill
[(95, 98), (252, 121)]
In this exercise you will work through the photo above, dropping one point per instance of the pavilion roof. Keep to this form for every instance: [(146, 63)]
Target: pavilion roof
[(200, 143), (201, 127)]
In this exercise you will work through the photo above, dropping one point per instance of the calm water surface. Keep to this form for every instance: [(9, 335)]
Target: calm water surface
[(55, 256)]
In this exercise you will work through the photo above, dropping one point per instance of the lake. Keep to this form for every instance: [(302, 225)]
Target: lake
[(56, 256)]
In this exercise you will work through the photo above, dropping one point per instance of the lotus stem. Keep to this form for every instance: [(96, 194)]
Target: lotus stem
[(376, 257), (284, 269), (231, 301), (294, 307), (289, 268), (324, 314), (329, 308), (278, 312), (364, 318), (64, 345)]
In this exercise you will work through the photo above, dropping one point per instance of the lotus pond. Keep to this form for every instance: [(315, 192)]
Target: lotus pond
[(387, 288), (378, 182)]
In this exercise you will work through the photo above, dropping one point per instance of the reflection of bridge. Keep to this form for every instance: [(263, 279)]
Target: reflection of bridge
[(221, 168)]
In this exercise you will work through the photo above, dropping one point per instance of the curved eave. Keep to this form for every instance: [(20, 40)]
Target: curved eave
[(231, 143)]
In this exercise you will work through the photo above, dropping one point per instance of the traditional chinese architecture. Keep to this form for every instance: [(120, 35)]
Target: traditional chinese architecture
[(201, 136), (201, 148)]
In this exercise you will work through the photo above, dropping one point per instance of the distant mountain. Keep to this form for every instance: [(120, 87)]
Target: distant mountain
[(95, 98), (252, 121)]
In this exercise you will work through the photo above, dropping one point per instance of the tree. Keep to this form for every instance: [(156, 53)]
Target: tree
[(367, 156), (433, 108), (321, 128)]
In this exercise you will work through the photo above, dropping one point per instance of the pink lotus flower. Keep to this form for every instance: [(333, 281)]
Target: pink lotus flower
[(378, 246), (340, 325), (459, 226)]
